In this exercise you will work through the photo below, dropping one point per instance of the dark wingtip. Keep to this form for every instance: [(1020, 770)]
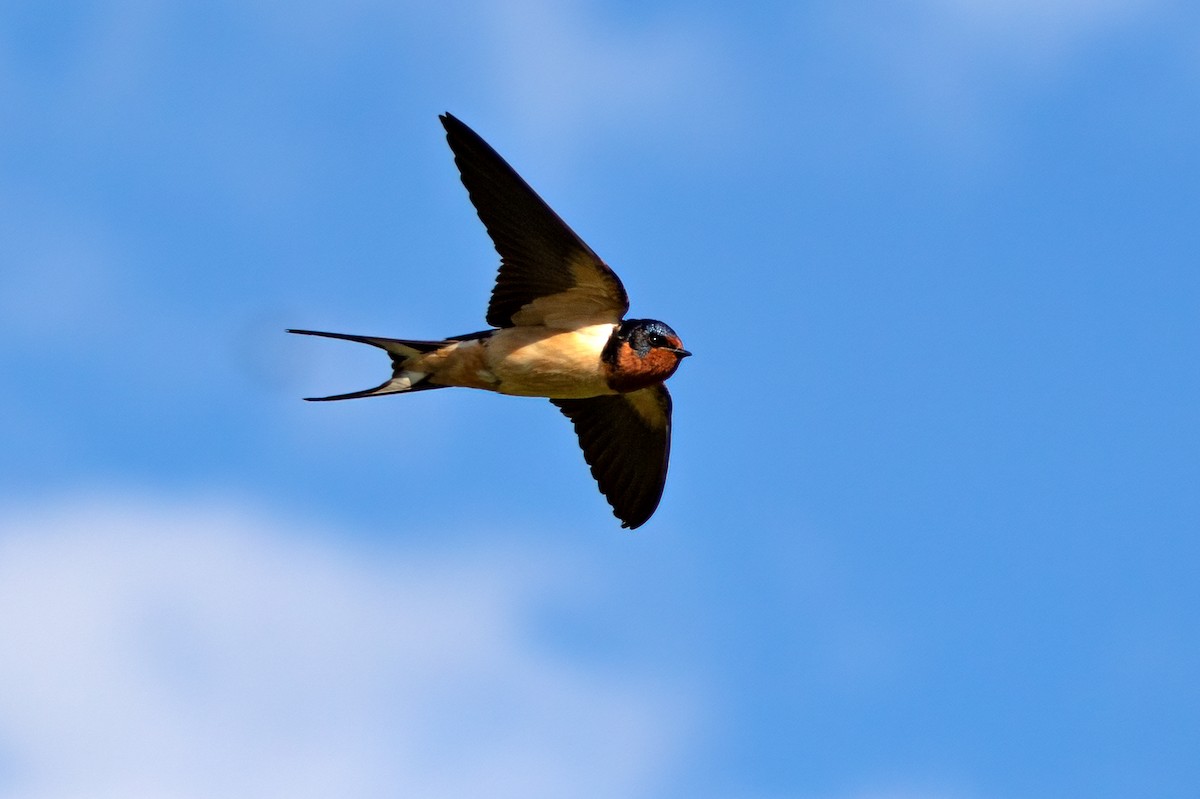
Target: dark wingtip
[(635, 522)]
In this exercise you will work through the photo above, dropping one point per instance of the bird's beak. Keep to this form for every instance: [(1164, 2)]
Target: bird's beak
[(681, 352)]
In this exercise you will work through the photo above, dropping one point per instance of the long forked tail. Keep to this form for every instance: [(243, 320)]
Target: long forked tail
[(400, 350)]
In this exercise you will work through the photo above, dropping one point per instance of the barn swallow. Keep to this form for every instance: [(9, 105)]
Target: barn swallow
[(557, 331)]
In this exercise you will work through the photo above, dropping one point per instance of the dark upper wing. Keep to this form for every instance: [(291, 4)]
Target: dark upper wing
[(626, 439), (547, 274)]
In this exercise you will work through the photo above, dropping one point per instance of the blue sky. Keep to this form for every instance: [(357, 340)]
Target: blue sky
[(931, 525)]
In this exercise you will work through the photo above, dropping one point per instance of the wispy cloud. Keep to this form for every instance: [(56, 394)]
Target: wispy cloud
[(959, 63), (1043, 27), (567, 68), (972, 40), (157, 649)]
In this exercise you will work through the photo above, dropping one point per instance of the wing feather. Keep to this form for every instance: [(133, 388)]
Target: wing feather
[(626, 440), (548, 275)]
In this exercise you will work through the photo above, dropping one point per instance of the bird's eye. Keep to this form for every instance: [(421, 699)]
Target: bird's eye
[(657, 341)]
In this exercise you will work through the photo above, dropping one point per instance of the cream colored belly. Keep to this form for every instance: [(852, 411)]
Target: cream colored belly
[(544, 362)]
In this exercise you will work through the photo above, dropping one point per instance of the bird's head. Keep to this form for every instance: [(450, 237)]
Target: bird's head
[(642, 352)]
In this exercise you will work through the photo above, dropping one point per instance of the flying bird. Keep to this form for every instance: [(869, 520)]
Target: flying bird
[(557, 331)]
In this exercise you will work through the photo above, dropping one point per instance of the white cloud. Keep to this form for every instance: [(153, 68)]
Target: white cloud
[(1025, 37), (185, 650), (958, 63), (559, 68), (1038, 19), (565, 69)]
